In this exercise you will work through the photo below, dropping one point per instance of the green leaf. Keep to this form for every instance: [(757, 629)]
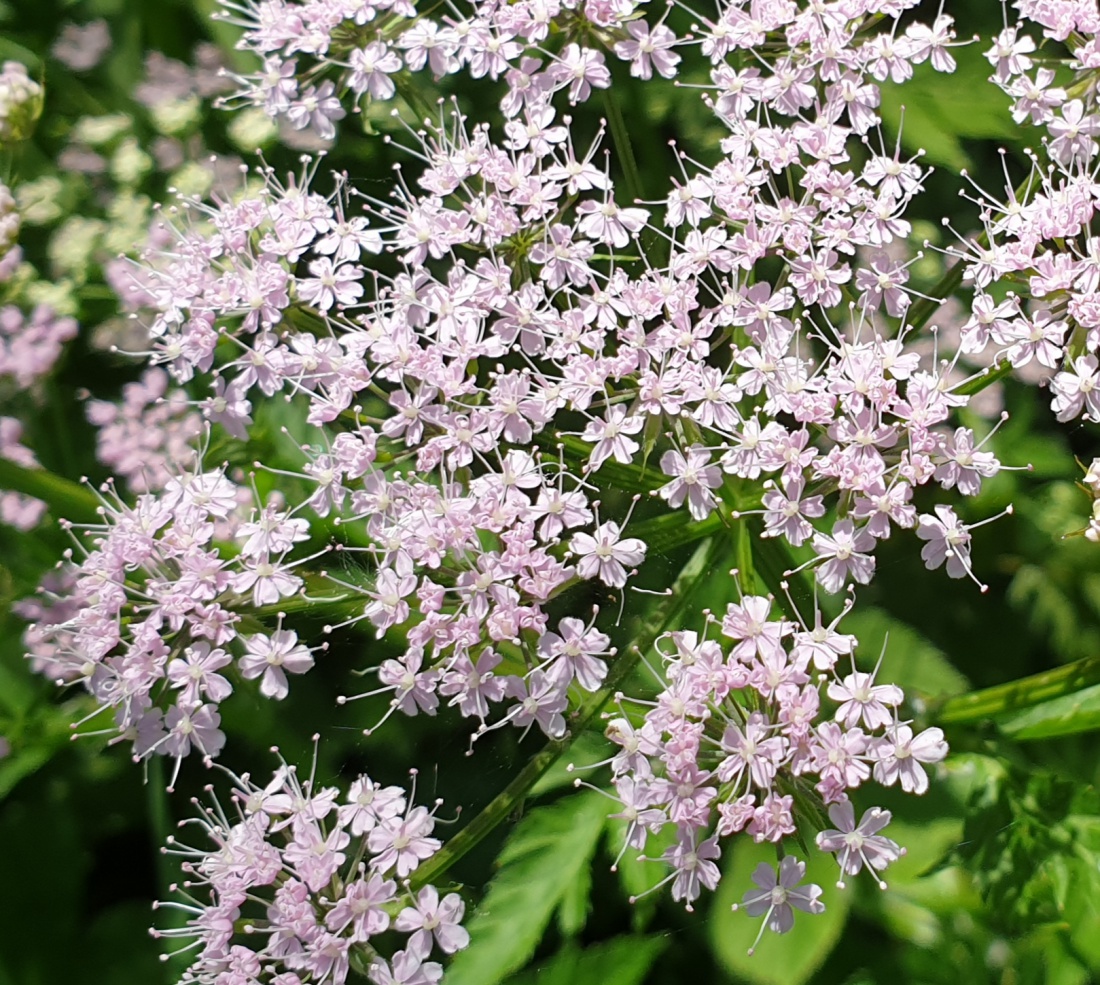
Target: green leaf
[(910, 660), (668, 531), (1027, 692), (779, 959), (619, 961), (1067, 715), (935, 111), (574, 907), (1081, 910), (549, 850)]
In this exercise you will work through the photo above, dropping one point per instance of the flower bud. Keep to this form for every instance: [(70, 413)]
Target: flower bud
[(20, 103), (9, 220)]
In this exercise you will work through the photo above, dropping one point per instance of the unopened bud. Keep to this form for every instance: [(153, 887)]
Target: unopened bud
[(20, 103)]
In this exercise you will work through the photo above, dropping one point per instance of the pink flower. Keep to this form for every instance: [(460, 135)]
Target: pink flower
[(649, 49), (580, 69), (331, 285), (948, 540), (434, 917), (402, 843), (273, 657), (607, 554), (778, 893), (845, 553), (859, 846), (693, 479), (899, 757)]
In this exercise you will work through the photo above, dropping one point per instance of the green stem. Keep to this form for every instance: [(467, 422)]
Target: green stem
[(923, 309), (64, 497), (697, 570), (1028, 691), (623, 146), (987, 378), (160, 821)]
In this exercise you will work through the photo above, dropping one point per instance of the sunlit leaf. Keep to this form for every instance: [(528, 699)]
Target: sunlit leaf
[(620, 961), (1071, 713), (779, 959), (549, 850), (935, 112)]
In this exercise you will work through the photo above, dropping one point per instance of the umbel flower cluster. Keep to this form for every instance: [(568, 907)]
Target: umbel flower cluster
[(496, 355), (739, 741), (315, 879)]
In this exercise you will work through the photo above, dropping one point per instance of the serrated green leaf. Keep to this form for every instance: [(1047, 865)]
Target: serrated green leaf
[(910, 660), (1047, 595), (1067, 715), (779, 959), (620, 961), (548, 851)]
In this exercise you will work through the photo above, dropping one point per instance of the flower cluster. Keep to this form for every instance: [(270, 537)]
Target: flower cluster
[(295, 885), (741, 739), (1039, 240), (800, 384), (504, 349), (29, 347), (20, 103), (1091, 483), (17, 510), (144, 438), (151, 611), (10, 254)]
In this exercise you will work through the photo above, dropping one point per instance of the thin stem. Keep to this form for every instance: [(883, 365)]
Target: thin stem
[(697, 570), (996, 372), (623, 147), (156, 802), (923, 309)]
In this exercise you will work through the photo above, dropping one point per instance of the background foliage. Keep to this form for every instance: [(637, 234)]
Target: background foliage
[(1001, 882)]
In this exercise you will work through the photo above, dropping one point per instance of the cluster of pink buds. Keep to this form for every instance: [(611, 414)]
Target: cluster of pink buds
[(17, 510), (297, 885), (29, 347)]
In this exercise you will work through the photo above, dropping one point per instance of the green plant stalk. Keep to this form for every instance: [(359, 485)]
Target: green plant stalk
[(623, 147), (695, 572), (1024, 693), (64, 497), (990, 376), (156, 802)]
